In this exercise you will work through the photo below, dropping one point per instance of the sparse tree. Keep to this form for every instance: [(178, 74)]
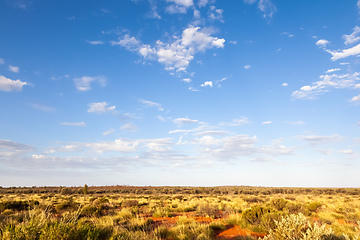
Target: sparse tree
[(86, 190)]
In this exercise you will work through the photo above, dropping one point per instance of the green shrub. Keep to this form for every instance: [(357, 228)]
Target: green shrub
[(162, 212), (279, 203), (254, 214), (297, 227)]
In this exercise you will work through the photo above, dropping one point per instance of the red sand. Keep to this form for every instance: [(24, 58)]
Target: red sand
[(237, 232)]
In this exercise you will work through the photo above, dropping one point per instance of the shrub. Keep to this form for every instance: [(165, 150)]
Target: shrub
[(162, 212), (279, 203), (90, 211), (206, 209), (297, 227), (161, 233), (254, 215), (66, 191), (130, 203)]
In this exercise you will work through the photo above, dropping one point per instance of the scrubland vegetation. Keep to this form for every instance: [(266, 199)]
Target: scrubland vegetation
[(123, 212)]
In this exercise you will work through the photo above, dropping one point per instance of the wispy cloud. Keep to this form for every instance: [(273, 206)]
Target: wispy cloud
[(353, 37), (14, 69), (84, 83), (356, 99), (151, 104), (287, 34), (327, 82), (42, 107), (266, 6), (295, 122), (129, 127), (108, 132), (236, 122), (74, 124), (181, 121), (95, 42), (247, 66), (322, 139)]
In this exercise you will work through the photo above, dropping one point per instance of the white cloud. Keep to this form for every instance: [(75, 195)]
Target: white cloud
[(185, 3), (8, 85), (322, 43), (326, 82), (194, 37), (2, 61), (130, 43), (202, 3), (267, 7), (129, 127), (333, 70), (211, 132), (181, 121), (344, 53), (108, 132), (172, 9), (197, 14), (151, 104), (100, 107), (75, 124), (344, 63), (247, 66), (188, 80), (14, 69), (42, 107), (250, 1), (153, 10), (193, 89), (83, 83), (353, 37), (178, 54), (95, 42), (236, 122), (216, 14), (284, 84), (207, 84), (356, 99), (119, 145), (267, 122)]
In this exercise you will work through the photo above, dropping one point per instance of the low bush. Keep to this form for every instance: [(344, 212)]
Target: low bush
[(254, 214)]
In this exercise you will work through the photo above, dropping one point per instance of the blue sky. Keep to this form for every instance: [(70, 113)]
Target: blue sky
[(180, 92)]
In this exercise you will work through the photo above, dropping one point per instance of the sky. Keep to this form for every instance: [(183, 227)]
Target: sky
[(180, 93)]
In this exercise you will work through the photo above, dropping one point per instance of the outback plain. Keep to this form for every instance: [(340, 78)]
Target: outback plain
[(229, 212)]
